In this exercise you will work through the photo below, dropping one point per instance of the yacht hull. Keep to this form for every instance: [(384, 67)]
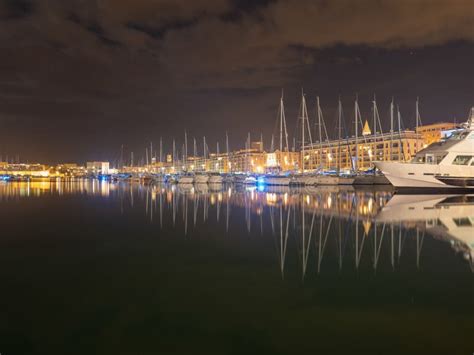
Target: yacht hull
[(410, 175)]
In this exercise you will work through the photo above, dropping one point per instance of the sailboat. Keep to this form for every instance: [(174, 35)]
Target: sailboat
[(280, 178), (304, 178), (201, 177), (334, 179), (445, 165), (371, 177)]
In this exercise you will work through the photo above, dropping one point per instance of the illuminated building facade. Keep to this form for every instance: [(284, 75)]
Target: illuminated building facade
[(33, 170), (435, 132), (97, 167), (282, 161), (334, 154)]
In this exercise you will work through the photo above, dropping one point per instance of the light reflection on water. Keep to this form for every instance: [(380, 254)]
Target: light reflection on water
[(351, 225)]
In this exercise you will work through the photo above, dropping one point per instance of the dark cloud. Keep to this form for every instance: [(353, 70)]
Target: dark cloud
[(103, 64)]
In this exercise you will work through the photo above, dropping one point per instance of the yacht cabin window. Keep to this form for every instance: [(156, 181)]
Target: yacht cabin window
[(462, 160)]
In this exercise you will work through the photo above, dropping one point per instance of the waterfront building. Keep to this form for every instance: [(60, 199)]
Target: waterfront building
[(98, 167), (248, 160), (282, 161), (346, 155), (33, 170), (433, 133)]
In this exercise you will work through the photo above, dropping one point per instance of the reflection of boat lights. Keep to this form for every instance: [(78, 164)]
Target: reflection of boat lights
[(308, 200), (271, 198), (213, 199), (370, 204), (229, 192), (219, 197), (329, 201), (261, 187), (285, 198)]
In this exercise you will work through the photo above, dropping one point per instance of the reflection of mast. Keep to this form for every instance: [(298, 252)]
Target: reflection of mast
[(283, 239), (229, 194), (306, 246), (419, 245), (378, 246), (359, 252)]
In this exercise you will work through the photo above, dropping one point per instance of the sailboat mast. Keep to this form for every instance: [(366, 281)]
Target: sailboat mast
[(227, 150), (356, 110), (417, 123), (151, 152), (400, 148), (185, 154), (281, 122), (174, 151), (320, 134), (161, 149), (374, 109), (391, 129), (338, 164)]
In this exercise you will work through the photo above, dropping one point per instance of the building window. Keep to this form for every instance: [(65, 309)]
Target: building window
[(462, 160)]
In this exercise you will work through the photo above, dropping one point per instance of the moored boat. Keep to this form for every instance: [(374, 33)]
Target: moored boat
[(445, 165)]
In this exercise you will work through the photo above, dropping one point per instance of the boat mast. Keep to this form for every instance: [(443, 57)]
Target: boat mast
[(400, 148), (374, 109), (185, 155), (320, 135), (151, 152), (161, 149), (338, 163), (418, 123), (204, 152), (281, 122), (303, 104), (356, 109), (391, 130), (174, 151), (227, 149)]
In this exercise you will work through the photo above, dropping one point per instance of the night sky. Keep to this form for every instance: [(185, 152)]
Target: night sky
[(79, 78)]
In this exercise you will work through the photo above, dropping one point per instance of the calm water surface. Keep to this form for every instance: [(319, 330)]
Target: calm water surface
[(102, 268)]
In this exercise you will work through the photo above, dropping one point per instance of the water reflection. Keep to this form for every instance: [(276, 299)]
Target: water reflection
[(320, 228)]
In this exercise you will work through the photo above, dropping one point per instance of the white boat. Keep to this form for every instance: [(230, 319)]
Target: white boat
[(215, 179), (448, 164), (304, 179), (276, 180), (250, 180), (185, 179), (371, 179), (334, 180), (201, 178)]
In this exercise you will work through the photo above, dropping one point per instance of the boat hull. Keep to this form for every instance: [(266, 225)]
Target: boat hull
[(185, 180), (334, 180), (427, 176), (216, 179), (277, 180), (201, 179)]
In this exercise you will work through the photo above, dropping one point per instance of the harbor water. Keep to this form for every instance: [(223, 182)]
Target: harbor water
[(90, 267)]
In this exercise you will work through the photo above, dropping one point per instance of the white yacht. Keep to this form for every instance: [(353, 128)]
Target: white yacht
[(448, 164)]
